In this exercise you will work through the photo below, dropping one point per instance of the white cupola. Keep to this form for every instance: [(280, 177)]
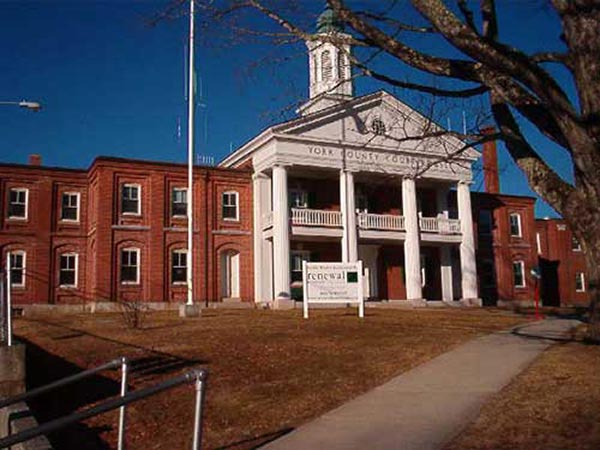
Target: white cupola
[(330, 71)]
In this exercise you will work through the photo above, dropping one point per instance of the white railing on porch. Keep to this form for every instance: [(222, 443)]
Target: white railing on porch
[(387, 222), (316, 217), (267, 220), (440, 225), (428, 224)]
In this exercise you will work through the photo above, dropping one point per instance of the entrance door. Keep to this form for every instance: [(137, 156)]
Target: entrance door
[(368, 255), (230, 281)]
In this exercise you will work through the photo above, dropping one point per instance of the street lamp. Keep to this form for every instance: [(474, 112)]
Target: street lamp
[(33, 106)]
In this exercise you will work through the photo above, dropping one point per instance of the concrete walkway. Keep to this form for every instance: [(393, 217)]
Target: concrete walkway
[(424, 408)]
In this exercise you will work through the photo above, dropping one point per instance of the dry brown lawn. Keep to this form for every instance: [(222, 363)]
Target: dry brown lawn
[(270, 371), (553, 405)]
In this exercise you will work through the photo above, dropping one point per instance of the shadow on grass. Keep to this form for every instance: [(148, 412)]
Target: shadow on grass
[(43, 368), (256, 442), (153, 363)]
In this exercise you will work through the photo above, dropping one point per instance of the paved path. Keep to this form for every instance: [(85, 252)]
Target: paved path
[(424, 408)]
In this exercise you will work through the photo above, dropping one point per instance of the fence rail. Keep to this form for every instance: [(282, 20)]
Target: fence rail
[(197, 375)]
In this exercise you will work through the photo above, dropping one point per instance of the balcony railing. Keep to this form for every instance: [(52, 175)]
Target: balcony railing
[(365, 221), (387, 222), (316, 218), (440, 225)]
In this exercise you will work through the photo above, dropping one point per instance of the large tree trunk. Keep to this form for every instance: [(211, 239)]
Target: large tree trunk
[(593, 273)]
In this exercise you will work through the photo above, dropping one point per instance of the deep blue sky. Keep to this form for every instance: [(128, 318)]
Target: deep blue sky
[(113, 85)]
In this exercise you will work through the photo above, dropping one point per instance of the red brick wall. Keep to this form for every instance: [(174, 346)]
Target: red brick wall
[(103, 231), (503, 249), (560, 263)]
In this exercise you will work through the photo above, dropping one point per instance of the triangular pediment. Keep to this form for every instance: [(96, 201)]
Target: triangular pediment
[(381, 121)]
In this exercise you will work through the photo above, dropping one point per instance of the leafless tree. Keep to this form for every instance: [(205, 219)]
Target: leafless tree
[(518, 85)]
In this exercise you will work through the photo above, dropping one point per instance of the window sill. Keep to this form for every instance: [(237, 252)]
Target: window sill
[(130, 214), (179, 283), (130, 283), (230, 220), (17, 218), (520, 287), (69, 221), (67, 286)]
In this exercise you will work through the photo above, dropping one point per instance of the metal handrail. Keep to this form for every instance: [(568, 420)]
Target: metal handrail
[(197, 375), (122, 362)]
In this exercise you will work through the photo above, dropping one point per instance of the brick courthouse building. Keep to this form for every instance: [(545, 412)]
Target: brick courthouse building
[(344, 181)]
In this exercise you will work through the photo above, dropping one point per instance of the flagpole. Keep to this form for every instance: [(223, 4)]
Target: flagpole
[(190, 195)]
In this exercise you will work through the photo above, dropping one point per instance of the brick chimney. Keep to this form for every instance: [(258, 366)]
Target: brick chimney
[(35, 159), (490, 163)]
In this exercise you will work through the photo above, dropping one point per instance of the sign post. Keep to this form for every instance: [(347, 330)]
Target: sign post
[(332, 283)]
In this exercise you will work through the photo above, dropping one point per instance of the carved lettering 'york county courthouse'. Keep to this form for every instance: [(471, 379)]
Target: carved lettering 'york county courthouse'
[(349, 179)]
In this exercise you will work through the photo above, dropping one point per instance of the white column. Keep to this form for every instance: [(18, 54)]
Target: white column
[(348, 207), (281, 235), (467, 246), (412, 253), (344, 211), (262, 205), (445, 251)]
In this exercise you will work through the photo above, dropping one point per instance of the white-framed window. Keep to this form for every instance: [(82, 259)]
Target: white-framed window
[(18, 260), (17, 203), (130, 266), (579, 282), (326, 67), (68, 265), (296, 259), (575, 245), (519, 274), (515, 225), (230, 205), (179, 202), (179, 266), (298, 198), (69, 211), (485, 222), (130, 199)]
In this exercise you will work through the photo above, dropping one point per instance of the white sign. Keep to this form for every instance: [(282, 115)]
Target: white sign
[(332, 283)]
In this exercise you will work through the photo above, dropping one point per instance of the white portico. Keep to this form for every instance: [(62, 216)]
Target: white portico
[(349, 180)]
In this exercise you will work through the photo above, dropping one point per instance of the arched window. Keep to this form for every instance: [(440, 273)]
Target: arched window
[(341, 66), (326, 65)]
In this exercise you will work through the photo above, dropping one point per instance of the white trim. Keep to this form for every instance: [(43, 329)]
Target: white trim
[(538, 242), (78, 195), (19, 189), (70, 286), (23, 253), (139, 199), (573, 241), (518, 215), (522, 264), (138, 265), (237, 206), (582, 282)]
